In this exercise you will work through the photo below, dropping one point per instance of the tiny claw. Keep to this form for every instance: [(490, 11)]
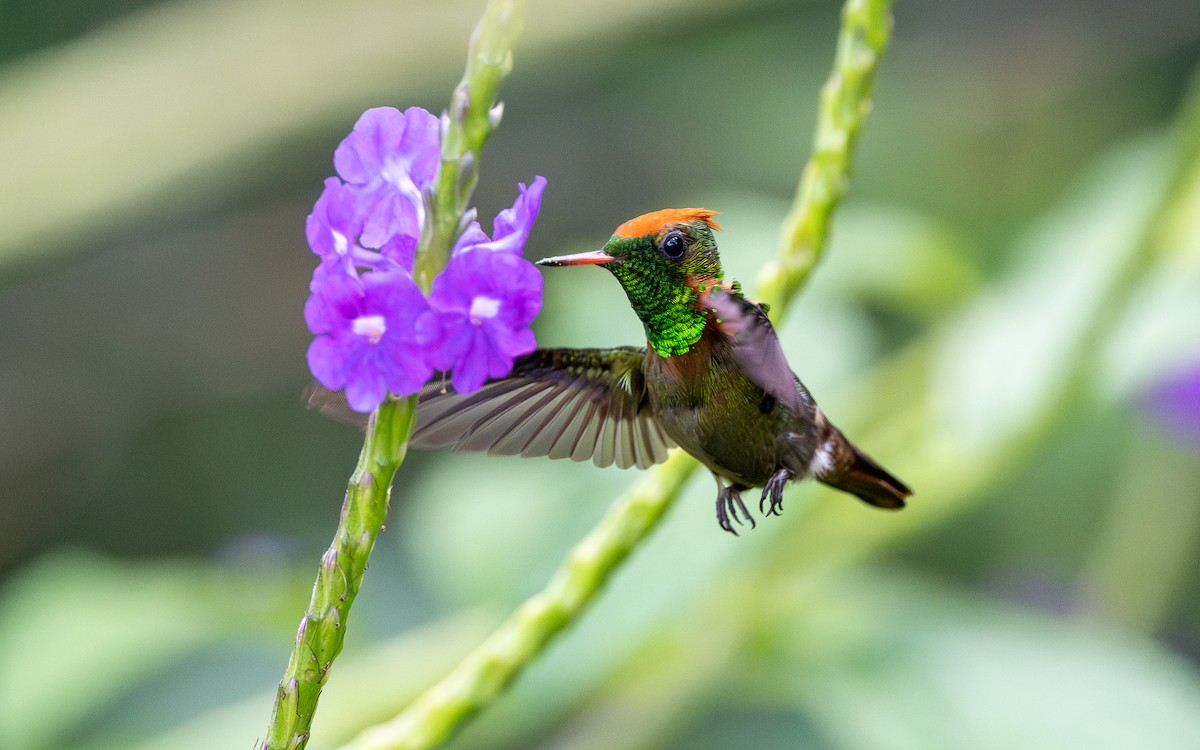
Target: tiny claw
[(723, 520), (729, 502), (773, 493)]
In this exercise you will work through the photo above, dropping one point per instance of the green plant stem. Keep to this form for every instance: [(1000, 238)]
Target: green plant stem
[(483, 675), (472, 117), (474, 113), (844, 107), (322, 630)]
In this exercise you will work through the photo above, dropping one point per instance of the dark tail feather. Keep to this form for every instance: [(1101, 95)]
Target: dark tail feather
[(867, 480)]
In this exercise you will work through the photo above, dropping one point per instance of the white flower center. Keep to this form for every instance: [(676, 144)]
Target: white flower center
[(395, 172), (371, 326), (341, 244), (483, 308)]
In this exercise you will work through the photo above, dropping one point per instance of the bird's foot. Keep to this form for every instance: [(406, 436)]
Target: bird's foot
[(773, 492), (729, 502)]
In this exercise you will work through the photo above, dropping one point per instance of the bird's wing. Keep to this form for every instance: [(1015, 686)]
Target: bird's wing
[(756, 347), (582, 404)]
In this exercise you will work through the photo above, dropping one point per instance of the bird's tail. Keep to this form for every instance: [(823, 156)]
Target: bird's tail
[(857, 473)]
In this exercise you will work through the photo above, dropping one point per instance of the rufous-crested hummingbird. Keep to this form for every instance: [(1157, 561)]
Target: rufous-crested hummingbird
[(712, 380)]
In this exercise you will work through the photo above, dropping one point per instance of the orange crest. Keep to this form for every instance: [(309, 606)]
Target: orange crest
[(653, 222)]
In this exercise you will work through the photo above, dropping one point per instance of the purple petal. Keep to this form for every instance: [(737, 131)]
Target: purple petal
[(365, 388), (471, 370), (512, 342), (472, 236), (444, 337), (389, 210), (359, 157), (512, 225), (401, 249), (423, 141), (325, 357), (336, 294), (333, 226), (407, 370), (388, 159), (1175, 404)]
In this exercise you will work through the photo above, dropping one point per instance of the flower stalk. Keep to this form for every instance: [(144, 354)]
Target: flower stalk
[(483, 675), (845, 105), (321, 634), (337, 224), (474, 113)]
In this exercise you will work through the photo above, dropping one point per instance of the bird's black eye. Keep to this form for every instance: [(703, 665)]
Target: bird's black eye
[(673, 246)]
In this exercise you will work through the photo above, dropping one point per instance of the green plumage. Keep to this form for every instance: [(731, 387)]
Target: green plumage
[(660, 298)]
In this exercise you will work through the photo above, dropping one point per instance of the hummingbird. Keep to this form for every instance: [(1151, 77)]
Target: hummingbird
[(712, 380)]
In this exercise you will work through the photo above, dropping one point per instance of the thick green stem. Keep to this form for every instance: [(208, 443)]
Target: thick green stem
[(339, 576), (483, 675), (844, 107), (472, 117)]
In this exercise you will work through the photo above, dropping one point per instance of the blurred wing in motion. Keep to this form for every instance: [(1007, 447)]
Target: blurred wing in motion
[(756, 347), (563, 403), (582, 404)]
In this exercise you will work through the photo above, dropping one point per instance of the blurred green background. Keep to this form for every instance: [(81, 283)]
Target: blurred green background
[(1015, 273)]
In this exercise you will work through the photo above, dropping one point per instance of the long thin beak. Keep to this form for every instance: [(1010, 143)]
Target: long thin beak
[(595, 258)]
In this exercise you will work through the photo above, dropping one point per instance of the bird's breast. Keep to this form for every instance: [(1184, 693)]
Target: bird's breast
[(715, 412)]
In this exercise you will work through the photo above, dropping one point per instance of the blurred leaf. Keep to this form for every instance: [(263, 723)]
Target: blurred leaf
[(507, 552), (879, 252), (1158, 332), (79, 629), (883, 663), (370, 684), (1144, 555), (1003, 367)]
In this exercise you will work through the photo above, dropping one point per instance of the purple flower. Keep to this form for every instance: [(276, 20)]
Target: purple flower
[(512, 225), (482, 304), (333, 227), (375, 331), (389, 158), (366, 335), (1175, 404)]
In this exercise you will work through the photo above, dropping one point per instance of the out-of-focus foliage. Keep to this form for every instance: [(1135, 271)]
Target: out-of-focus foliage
[(1017, 265)]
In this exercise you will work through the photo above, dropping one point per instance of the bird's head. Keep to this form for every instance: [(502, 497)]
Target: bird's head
[(663, 259)]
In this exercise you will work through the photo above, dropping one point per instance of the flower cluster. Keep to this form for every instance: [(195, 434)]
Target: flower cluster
[(376, 331)]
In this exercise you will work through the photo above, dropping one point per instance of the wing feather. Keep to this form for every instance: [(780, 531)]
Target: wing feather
[(756, 347), (507, 433), (582, 404), (589, 433), (561, 409)]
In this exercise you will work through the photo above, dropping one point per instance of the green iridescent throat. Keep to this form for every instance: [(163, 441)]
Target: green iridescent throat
[(675, 328), (657, 291)]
